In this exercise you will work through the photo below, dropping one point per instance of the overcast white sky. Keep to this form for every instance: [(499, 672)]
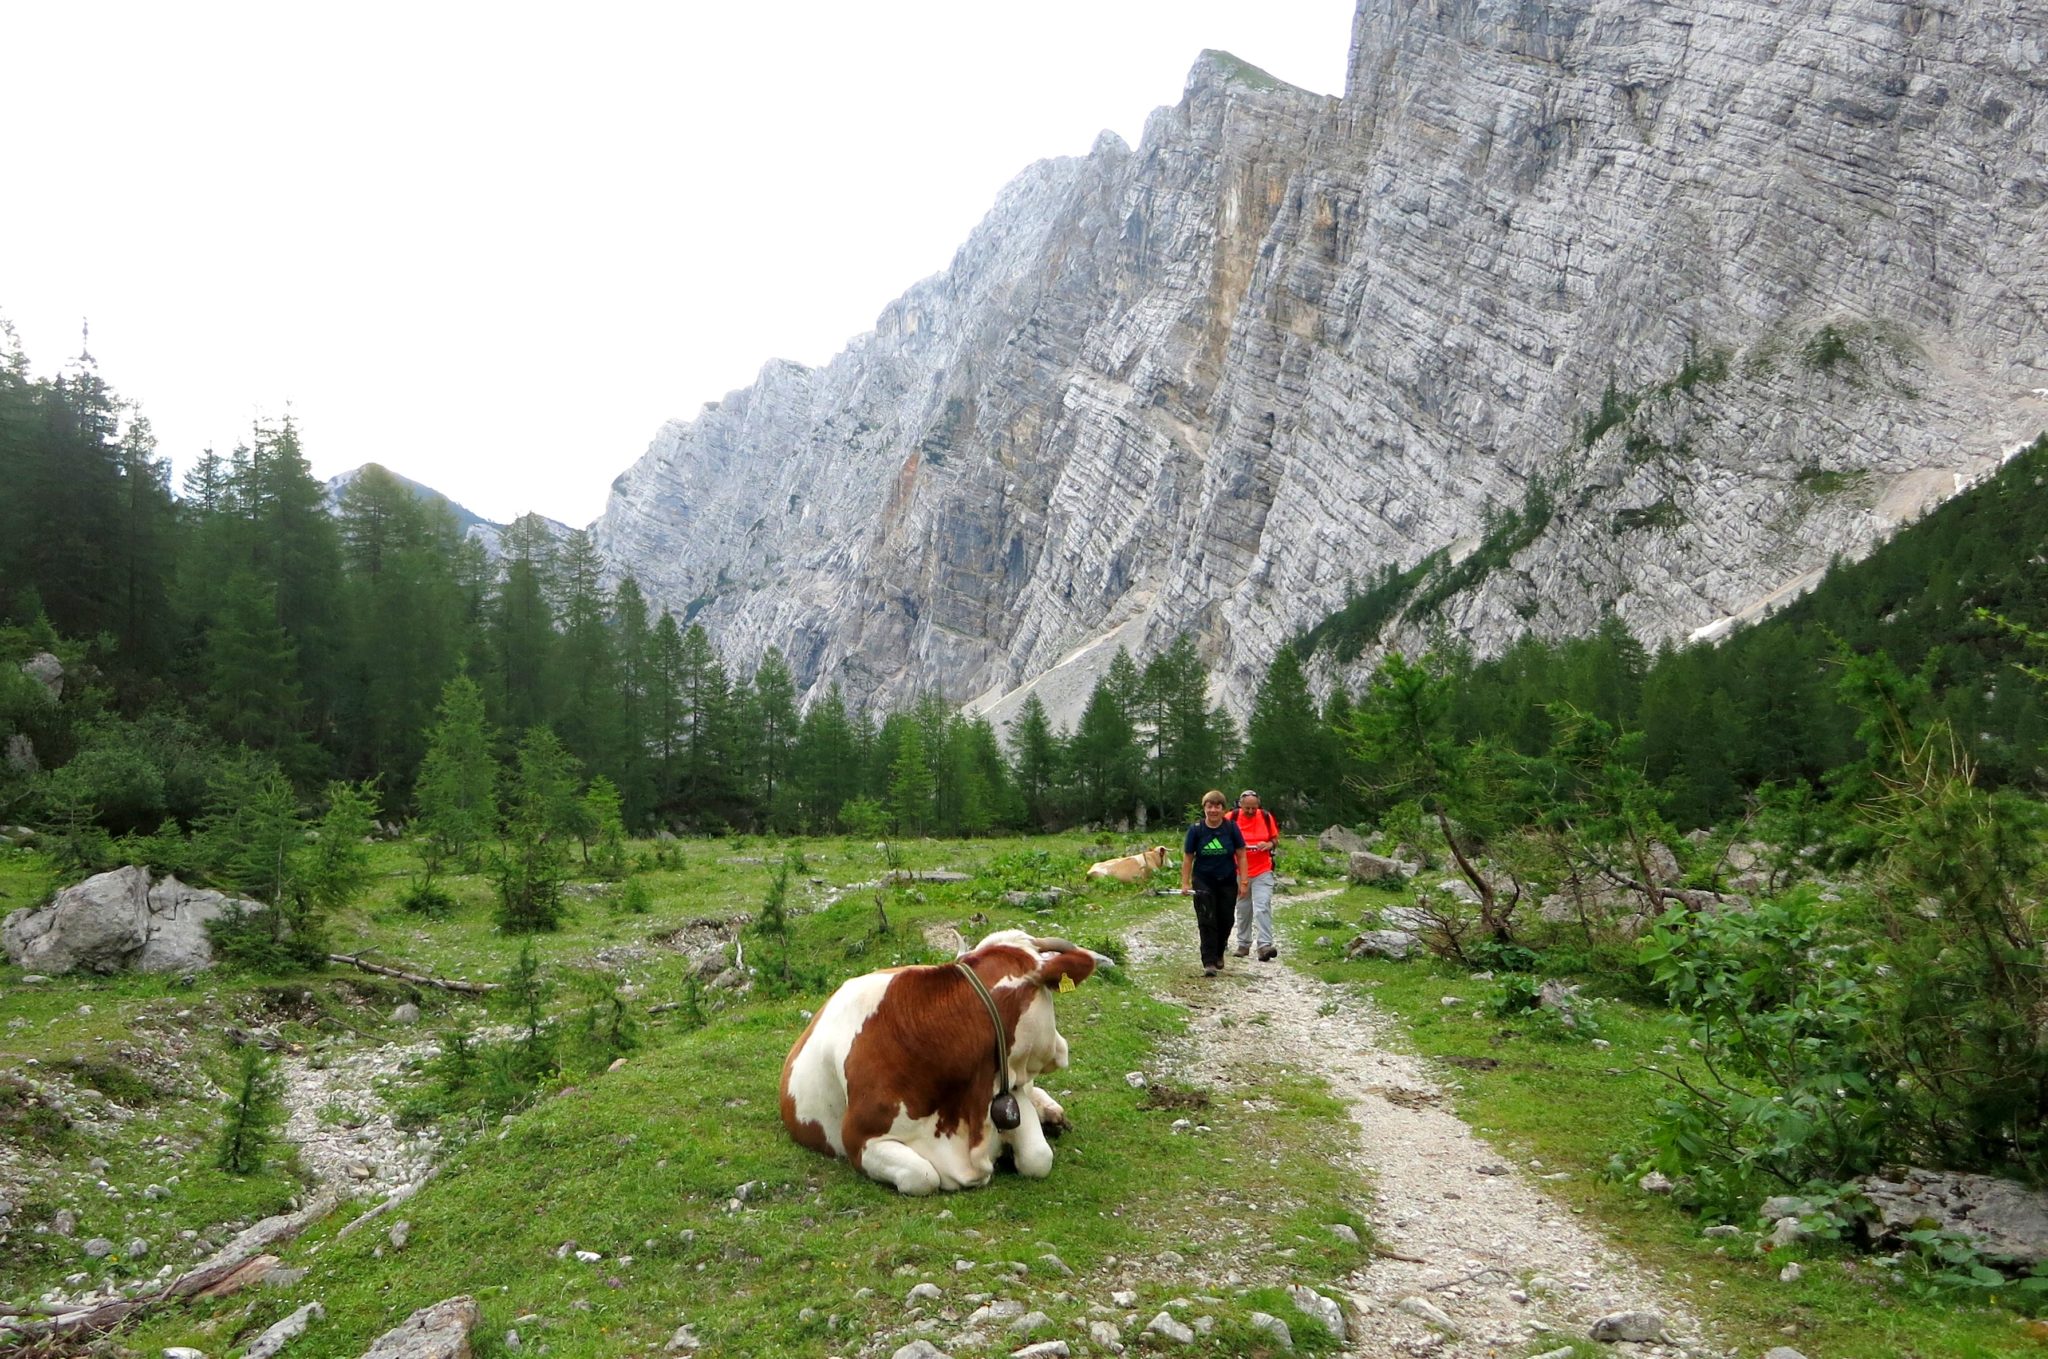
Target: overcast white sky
[(494, 246)]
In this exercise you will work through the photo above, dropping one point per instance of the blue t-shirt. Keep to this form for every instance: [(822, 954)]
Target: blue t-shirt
[(1215, 850)]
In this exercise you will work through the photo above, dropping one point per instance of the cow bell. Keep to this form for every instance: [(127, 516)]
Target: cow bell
[(1003, 1112)]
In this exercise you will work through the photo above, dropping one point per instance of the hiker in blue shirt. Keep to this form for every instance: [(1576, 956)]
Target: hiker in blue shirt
[(1211, 865)]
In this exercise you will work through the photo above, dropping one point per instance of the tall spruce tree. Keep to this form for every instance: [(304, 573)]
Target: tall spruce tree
[(1286, 754), (458, 804), (1037, 755)]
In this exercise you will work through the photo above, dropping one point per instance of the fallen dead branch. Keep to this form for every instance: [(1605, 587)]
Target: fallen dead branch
[(216, 1270), (467, 988)]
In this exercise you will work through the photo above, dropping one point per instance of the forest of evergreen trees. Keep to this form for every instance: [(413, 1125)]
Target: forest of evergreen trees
[(238, 619)]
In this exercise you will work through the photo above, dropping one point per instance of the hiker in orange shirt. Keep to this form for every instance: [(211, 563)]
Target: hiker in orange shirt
[(1261, 837)]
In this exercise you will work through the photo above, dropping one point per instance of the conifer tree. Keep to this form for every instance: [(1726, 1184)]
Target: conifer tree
[(911, 785), (634, 646), (1037, 762), (1286, 751), (542, 811), (667, 730), (827, 764), (1105, 758), (457, 787), (524, 623), (601, 807), (254, 1108), (772, 730)]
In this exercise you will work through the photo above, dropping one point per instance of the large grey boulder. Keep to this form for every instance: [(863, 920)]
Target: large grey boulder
[(2006, 1221), (1392, 944), (437, 1332), (47, 671), (1369, 867), (118, 921), (1340, 840)]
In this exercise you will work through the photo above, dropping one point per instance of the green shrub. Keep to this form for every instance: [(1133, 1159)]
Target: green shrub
[(424, 896)]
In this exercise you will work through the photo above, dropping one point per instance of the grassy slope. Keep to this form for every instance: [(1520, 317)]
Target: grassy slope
[(645, 1162), (1572, 1107), (655, 1152)]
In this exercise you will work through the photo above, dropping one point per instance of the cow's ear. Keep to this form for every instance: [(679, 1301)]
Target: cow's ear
[(1065, 971)]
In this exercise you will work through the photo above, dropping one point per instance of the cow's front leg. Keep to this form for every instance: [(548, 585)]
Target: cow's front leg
[(1028, 1147), (1051, 1116), (893, 1163)]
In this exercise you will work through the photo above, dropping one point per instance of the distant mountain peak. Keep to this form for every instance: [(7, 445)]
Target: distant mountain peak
[(472, 524)]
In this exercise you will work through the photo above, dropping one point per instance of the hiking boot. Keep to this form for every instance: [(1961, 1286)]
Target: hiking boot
[(1243, 950), (1268, 953), (1208, 971)]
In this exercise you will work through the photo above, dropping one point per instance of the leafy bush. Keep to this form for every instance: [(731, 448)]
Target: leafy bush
[(1780, 1010)]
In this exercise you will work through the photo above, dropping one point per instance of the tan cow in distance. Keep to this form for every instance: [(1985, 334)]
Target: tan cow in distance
[(1132, 867)]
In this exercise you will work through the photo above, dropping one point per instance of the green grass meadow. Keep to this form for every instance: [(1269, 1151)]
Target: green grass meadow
[(645, 1164)]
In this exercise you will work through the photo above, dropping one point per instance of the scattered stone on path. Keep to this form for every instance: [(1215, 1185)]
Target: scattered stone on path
[(285, 1331), (1791, 1273), (1055, 1264), (1124, 1297), (1135, 1080), (1106, 1335), (137, 1249), (1722, 1231), (1343, 1232), (920, 1349), (684, 1341), (924, 1292), (1044, 1349), (1656, 1182), (1029, 1322), (440, 1331), (99, 1248), (1164, 1325), (1783, 1352), (407, 1013), (1423, 1310), (400, 1233), (1634, 1327), (183, 1352), (1319, 1307), (64, 1222)]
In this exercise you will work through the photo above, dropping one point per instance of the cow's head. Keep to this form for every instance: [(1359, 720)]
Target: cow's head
[(1155, 858), (1033, 969)]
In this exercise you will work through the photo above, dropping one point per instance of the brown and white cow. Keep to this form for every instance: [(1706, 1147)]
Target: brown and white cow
[(1132, 867), (896, 1071)]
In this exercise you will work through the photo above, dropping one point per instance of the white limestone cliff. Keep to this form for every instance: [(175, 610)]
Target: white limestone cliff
[(1215, 383)]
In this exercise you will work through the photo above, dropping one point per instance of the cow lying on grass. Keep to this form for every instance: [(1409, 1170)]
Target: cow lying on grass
[(1132, 867), (897, 1072)]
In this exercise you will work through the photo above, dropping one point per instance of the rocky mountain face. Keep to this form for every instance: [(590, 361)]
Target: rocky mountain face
[(1561, 308)]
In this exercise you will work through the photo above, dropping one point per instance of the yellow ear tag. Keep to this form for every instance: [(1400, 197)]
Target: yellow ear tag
[(1066, 983)]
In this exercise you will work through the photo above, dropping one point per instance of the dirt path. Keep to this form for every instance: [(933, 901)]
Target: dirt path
[(1508, 1267)]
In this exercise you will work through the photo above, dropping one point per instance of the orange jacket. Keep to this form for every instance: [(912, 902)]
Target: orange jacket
[(1260, 825)]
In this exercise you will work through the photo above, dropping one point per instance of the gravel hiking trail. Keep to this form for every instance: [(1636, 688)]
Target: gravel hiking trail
[(1458, 1227)]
